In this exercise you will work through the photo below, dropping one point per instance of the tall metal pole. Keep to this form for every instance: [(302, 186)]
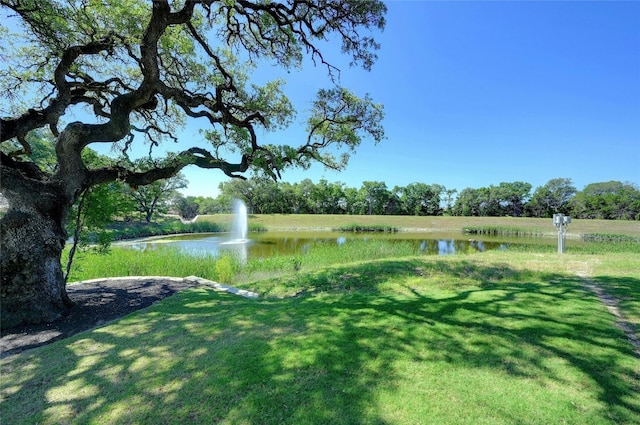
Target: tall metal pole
[(562, 223), (558, 221), (560, 238)]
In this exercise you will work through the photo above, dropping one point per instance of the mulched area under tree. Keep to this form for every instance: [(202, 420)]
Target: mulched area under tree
[(96, 302)]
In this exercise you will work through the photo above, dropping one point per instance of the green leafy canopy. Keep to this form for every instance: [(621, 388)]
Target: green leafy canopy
[(140, 68)]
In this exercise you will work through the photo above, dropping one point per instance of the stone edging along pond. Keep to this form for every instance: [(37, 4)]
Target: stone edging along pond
[(221, 287), (190, 279)]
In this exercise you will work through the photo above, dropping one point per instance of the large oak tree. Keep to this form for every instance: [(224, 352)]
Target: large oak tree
[(133, 71)]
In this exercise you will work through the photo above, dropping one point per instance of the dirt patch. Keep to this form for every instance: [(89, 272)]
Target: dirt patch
[(97, 302), (612, 303)]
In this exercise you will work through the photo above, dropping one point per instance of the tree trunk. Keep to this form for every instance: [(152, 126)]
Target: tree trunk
[(32, 284)]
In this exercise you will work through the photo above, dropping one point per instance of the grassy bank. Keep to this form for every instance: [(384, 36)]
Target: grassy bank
[(121, 261), (430, 224), (492, 338)]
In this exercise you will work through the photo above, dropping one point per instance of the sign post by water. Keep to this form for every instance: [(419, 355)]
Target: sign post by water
[(561, 222)]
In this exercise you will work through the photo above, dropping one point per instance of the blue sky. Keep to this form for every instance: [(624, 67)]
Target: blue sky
[(479, 93)]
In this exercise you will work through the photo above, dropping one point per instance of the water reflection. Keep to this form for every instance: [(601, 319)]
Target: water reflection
[(263, 245)]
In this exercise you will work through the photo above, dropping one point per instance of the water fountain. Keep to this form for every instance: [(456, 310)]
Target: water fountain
[(238, 240), (240, 226)]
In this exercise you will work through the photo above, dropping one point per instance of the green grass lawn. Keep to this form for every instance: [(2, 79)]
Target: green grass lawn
[(491, 338)]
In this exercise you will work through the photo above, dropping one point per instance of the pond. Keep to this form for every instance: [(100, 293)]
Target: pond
[(267, 244)]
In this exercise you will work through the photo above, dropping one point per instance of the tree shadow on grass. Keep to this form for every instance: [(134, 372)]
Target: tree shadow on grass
[(205, 357)]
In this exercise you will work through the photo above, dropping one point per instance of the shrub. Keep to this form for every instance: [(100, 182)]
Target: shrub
[(225, 269)]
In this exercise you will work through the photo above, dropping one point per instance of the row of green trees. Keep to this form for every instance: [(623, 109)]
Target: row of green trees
[(99, 204), (604, 200)]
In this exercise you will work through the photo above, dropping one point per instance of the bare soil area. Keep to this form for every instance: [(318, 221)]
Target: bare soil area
[(97, 302)]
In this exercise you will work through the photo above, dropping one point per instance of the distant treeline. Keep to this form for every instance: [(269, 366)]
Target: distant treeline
[(604, 200)]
